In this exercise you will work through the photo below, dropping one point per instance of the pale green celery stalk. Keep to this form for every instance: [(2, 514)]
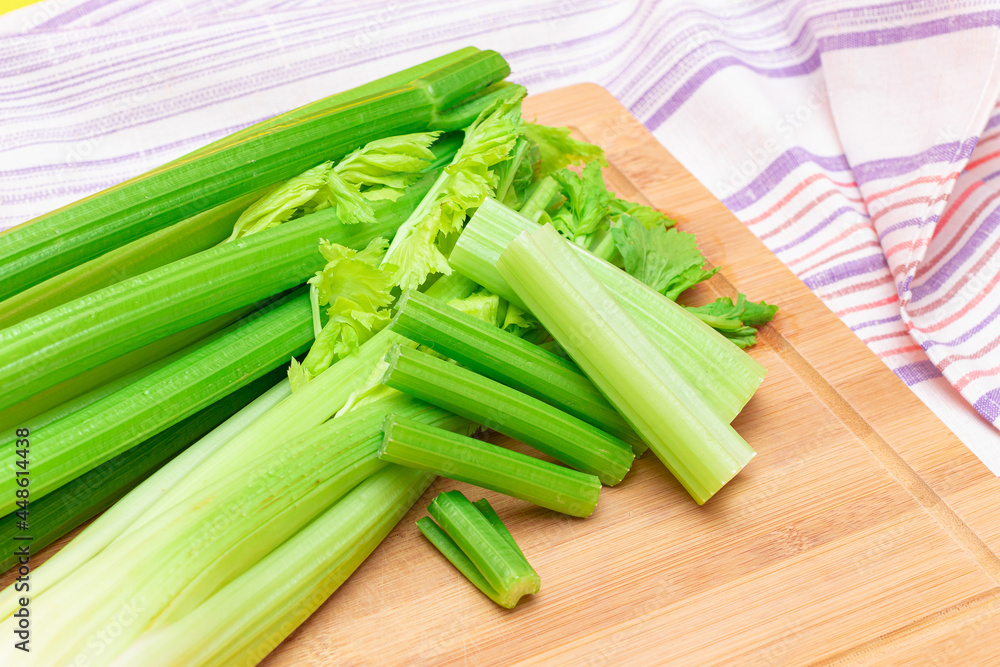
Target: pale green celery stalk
[(453, 286), (241, 623), (197, 233), (509, 359), (464, 529), (69, 339), (70, 505), (175, 565), (469, 460), (81, 390), (127, 514), (701, 449), (508, 168), (69, 447), (540, 199), (265, 154), (725, 375), (509, 411)]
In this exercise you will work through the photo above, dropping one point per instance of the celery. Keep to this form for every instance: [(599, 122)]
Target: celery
[(701, 450), (71, 446), (197, 233), (472, 537), (724, 374), (90, 386), (70, 505), (509, 359), (525, 418), (175, 565), (245, 620), (126, 515), (62, 342), (489, 466), (265, 154)]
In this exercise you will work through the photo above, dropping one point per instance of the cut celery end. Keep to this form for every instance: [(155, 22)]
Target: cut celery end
[(485, 553), (489, 466), (700, 449), (497, 406), (725, 375), (509, 359)]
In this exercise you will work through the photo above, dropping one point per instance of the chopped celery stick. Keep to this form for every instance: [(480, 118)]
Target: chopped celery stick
[(257, 610), (487, 402), (509, 359), (725, 375), (485, 553), (491, 515), (74, 503), (701, 450), (456, 557), (469, 460)]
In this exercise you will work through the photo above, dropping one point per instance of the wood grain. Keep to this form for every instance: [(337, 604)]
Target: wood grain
[(863, 533)]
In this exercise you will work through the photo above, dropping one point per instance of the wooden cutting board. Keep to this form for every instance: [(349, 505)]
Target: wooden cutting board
[(863, 531)]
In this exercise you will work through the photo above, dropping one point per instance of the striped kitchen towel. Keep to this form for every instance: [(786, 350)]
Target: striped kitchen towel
[(859, 140)]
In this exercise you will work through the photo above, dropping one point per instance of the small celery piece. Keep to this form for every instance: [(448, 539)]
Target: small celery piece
[(481, 550), (509, 359), (74, 503), (724, 374), (441, 452), (256, 611), (487, 402), (701, 450)]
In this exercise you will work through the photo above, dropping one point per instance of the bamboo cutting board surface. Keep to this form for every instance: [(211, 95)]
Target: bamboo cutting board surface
[(863, 532)]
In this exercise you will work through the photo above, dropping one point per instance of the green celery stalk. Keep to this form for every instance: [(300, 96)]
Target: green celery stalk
[(126, 515), (725, 375), (177, 565), (245, 620), (481, 547), (509, 359), (509, 411), (69, 447), (489, 466), (60, 343), (70, 505), (545, 191), (197, 233), (90, 386), (409, 101), (701, 449)]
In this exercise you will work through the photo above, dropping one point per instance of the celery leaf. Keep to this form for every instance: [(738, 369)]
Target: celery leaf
[(558, 150), (736, 321), (667, 260)]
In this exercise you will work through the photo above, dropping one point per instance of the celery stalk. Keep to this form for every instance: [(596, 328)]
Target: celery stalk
[(175, 565), (504, 574), (197, 233), (509, 359), (701, 450), (409, 101), (71, 446), (725, 375), (74, 503), (511, 412), (489, 466), (125, 515), (251, 615)]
